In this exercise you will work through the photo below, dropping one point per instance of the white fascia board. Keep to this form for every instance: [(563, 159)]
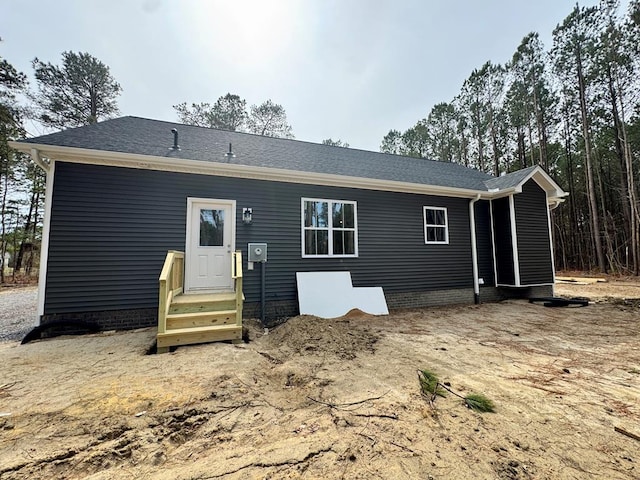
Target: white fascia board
[(542, 178), (504, 193), (148, 162)]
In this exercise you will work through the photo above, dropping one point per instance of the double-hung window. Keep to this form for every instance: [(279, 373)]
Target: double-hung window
[(436, 229), (329, 228)]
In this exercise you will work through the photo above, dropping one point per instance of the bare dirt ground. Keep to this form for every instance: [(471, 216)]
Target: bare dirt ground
[(614, 289), (337, 399)]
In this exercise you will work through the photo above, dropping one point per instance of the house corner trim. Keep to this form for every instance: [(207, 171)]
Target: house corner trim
[(514, 241), (44, 246)]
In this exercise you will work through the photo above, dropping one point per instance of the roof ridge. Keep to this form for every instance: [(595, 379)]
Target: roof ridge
[(308, 142)]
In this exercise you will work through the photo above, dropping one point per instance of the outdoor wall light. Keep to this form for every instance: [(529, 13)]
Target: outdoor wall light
[(247, 214)]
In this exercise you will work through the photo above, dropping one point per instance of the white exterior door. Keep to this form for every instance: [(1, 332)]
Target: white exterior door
[(209, 243)]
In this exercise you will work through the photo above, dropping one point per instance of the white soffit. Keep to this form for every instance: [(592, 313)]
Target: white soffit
[(332, 295)]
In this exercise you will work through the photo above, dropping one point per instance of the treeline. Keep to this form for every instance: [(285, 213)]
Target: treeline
[(78, 92), (574, 109), (21, 183)]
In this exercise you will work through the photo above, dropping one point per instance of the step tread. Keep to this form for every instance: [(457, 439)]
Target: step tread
[(190, 298), (196, 330), (197, 315)]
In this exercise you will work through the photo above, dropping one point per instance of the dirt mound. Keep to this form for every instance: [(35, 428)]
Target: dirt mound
[(307, 335)]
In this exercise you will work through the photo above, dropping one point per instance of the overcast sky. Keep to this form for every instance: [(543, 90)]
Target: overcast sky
[(348, 69)]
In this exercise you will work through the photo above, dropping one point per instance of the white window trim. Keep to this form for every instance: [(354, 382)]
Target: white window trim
[(330, 228), (445, 226)]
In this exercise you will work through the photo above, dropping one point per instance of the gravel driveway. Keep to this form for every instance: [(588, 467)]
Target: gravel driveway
[(17, 312)]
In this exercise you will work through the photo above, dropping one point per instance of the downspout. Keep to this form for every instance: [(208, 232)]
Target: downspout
[(474, 250), (555, 203), (35, 154)]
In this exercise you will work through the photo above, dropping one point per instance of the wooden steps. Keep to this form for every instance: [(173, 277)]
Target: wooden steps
[(200, 319), (203, 302), (193, 335), (186, 319)]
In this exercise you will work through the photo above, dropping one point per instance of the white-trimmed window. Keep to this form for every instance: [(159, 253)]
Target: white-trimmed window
[(329, 228), (436, 228)]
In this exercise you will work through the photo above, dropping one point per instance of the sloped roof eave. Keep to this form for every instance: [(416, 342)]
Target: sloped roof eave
[(144, 161), (141, 161), (538, 174)]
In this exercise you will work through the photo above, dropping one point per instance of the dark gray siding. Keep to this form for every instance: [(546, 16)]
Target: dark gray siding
[(111, 228), (504, 246), (483, 239), (532, 228)]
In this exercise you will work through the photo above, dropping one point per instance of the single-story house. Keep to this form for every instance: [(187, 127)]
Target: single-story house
[(122, 193)]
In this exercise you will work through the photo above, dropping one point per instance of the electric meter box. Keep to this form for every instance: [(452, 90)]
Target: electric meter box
[(257, 252)]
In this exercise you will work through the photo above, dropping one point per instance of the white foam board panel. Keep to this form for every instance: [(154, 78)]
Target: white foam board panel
[(331, 295)]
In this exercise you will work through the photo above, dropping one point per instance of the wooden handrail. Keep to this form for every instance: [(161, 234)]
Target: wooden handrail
[(236, 267), (171, 284), (236, 273)]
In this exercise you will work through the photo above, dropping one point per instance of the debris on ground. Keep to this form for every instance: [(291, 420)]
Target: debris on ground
[(581, 280), (560, 302)]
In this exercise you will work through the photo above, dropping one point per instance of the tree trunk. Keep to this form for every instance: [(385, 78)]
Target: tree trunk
[(531, 153), (34, 230), (465, 149), (626, 207), (494, 144), (26, 230), (521, 146), (3, 237), (634, 211), (606, 231), (542, 161), (15, 242), (543, 142), (574, 252), (479, 138), (591, 189)]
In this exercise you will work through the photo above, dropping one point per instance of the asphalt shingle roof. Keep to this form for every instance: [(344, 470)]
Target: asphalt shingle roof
[(509, 180), (143, 136)]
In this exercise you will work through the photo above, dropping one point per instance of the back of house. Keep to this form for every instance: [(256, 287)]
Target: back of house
[(123, 193)]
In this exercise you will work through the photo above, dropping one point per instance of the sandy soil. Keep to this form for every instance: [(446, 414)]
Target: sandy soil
[(613, 289), (336, 399)]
